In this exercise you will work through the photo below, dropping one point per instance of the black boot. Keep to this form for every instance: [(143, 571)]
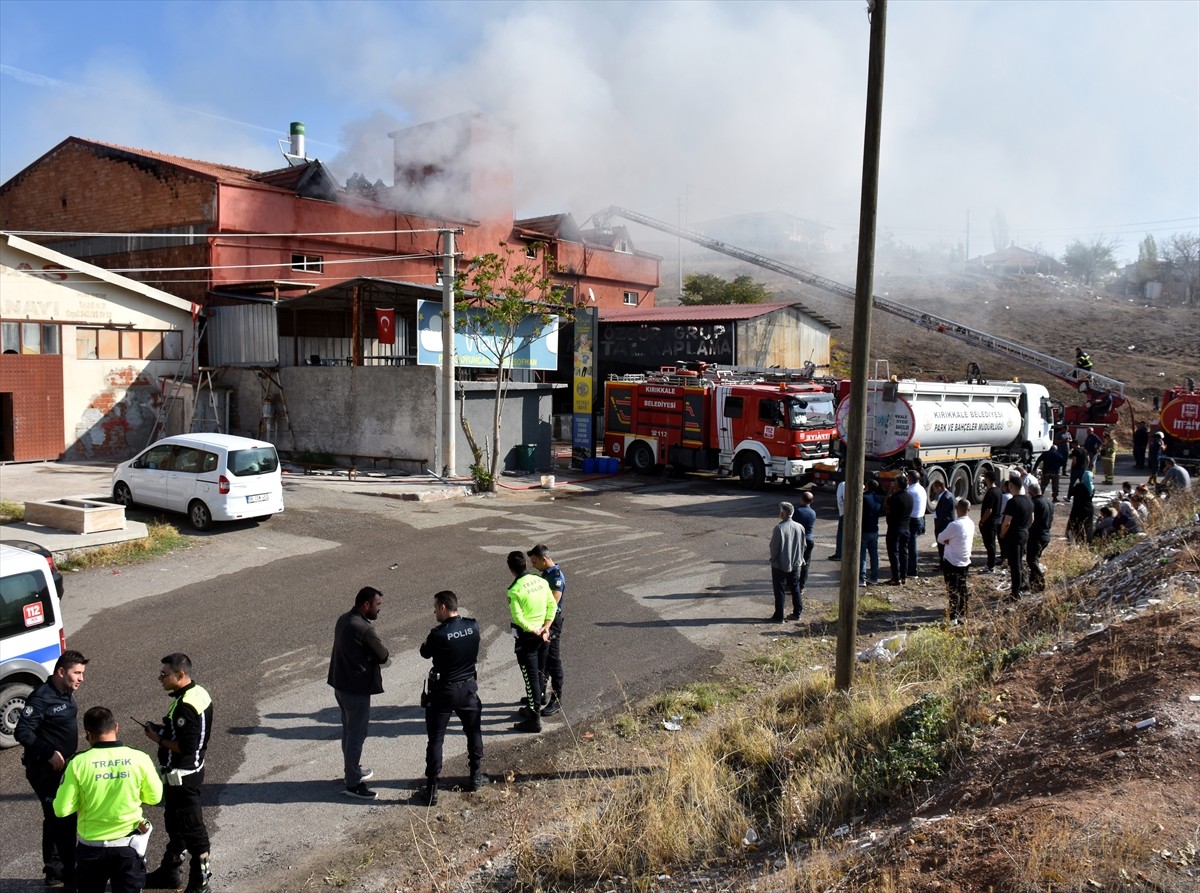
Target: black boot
[(530, 724), (426, 795), (168, 875), (198, 875), (478, 781)]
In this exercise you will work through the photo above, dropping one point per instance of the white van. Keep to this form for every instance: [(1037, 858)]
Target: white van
[(31, 632), (211, 477)]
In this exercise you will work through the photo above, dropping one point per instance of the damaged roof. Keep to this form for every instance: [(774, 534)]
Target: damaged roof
[(706, 313)]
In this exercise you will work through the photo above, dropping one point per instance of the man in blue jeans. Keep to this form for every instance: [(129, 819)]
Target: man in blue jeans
[(354, 673), (787, 557)]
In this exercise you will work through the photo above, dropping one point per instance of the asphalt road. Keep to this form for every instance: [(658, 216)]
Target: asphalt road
[(662, 577)]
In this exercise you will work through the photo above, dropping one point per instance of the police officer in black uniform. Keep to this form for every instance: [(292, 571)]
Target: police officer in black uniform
[(48, 730), (453, 646), (182, 743)]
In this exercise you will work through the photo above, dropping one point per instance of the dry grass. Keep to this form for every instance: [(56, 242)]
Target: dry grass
[(11, 512), (160, 539)]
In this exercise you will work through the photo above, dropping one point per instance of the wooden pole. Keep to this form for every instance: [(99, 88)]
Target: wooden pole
[(855, 461)]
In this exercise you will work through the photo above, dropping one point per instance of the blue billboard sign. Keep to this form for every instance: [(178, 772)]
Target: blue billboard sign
[(535, 349)]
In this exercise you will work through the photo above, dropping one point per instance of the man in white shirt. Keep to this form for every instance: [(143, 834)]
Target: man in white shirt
[(916, 524), (956, 562)]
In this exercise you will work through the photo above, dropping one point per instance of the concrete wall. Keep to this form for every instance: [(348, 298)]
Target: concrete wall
[(384, 416)]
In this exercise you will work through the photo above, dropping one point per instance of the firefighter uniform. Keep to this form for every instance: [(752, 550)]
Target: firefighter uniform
[(531, 605), (106, 787), (453, 646), (189, 723), (50, 723)]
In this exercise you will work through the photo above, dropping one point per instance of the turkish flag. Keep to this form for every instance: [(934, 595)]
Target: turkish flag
[(385, 321)]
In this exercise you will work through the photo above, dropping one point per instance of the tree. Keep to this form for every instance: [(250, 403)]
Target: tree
[(1091, 261), (504, 306), (1182, 252), (705, 288), (1147, 264), (999, 231)]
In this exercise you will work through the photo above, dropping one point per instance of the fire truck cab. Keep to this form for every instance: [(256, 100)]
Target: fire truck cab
[(741, 425)]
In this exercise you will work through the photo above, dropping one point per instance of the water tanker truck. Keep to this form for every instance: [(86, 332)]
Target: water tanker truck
[(957, 430), (1179, 421)]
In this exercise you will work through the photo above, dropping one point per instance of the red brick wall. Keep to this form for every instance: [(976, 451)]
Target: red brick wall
[(72, 188), (36, 383)]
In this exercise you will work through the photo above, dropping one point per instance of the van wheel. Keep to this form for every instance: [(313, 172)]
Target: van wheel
[(199, 515), (12, 702), (122, 494), (750, 470)]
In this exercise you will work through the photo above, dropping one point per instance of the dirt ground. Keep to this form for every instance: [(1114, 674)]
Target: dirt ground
[(1085, 774)]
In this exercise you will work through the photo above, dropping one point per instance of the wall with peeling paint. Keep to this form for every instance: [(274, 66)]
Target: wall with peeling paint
[(108, 405)]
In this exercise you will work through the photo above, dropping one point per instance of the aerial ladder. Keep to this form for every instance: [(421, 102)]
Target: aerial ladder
[(1105, 394)]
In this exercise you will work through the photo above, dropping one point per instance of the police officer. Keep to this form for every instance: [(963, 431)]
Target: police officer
[(532, 608), (105, 788), (551, 656), (182, 741), (48, 730), (453, 645)]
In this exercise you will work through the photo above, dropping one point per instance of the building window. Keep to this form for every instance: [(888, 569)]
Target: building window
[(30, 338), (308, 263), (531, 251), (623, 247), (127, 344), (631, 298)]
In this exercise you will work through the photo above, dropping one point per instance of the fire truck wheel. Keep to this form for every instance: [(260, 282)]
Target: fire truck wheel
[(640, 458), (750, 469)]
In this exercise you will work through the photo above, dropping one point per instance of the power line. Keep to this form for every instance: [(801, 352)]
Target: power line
[(287, 264), (220, 235)]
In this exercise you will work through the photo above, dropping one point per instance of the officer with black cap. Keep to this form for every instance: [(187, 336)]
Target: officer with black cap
[(453, 645)]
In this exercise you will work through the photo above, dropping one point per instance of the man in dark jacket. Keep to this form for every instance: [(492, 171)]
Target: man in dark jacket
[(989, 517), (1039, 536), (354, 673), (1014, 531), (453, 646), (1141, 440), (1054, 460), (898, 510), (48, 730), (943, 513)]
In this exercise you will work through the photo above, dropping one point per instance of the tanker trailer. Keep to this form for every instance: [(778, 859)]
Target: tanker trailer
[(958, 430)]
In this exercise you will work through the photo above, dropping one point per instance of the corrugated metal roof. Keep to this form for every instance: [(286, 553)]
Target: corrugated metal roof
[(704, 312)]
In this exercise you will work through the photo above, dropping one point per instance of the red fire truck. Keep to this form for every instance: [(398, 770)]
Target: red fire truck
[(720, 420), (1179, 421)]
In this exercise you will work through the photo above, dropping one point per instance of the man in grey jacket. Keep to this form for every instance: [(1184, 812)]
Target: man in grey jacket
[(787, 557), (354, 673)]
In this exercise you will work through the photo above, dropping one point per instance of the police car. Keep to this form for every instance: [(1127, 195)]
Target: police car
[(31, 631)]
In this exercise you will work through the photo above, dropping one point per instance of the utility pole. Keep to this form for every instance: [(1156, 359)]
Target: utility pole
[(448, 395), (861, 354)]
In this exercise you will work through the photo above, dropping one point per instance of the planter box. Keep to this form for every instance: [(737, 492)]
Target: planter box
[(77, 514)]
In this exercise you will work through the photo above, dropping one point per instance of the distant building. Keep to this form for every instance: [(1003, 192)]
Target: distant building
[(1017, 260)]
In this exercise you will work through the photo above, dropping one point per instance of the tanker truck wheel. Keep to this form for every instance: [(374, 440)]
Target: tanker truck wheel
[(960, 482), (978, 484), (749, 469), (640, 458), (938, 474)]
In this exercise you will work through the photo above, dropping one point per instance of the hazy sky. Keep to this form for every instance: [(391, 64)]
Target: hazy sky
[(1073, 119)]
